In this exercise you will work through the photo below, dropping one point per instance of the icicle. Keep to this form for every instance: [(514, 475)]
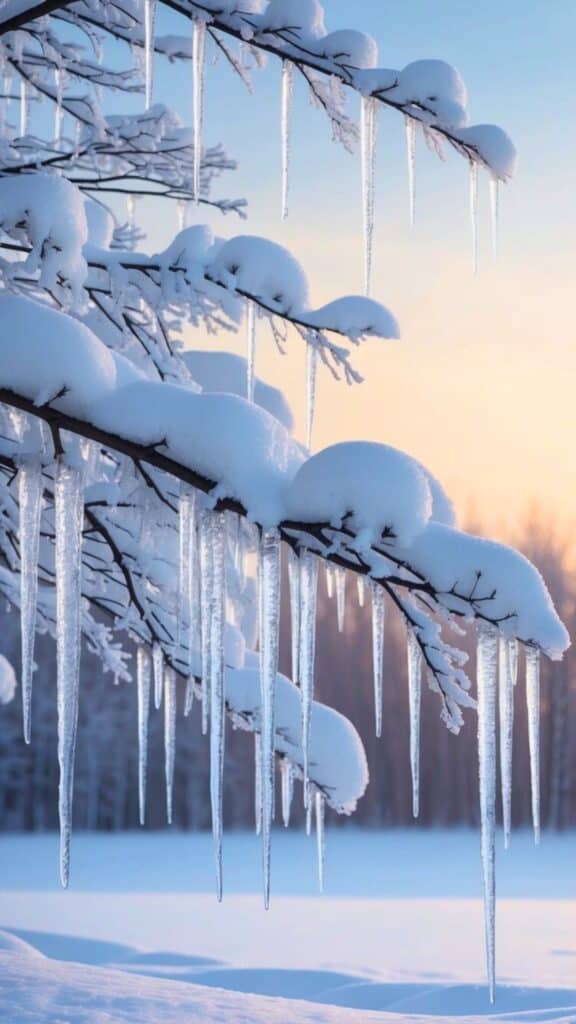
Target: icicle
[(411, 154), (487, 667), (158, 665), (506, 707), (495, 213), (329, 576), (361, 588), (308, 804), (340, 596), (269, 622), (23, 107), (143, 680), (189, 696), (286, 112), (533, 704), (206, 597), (378, 619), (513, 652), (198, 75), (217, 534), (414, 695), (149, 12), (250, 348), (319, 804), (311, 368), (258, 782), (294, 586), (474, 212), (169, 736), (287, 780), (69, 516), (368, 112), (181, 206), (58, 108), (308, 593), (188, 624), (30, 504)]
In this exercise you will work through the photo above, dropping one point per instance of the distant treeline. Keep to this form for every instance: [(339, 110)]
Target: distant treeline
[(106, 765)]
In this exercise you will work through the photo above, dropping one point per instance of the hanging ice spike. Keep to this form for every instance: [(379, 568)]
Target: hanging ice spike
[(506, 709), (188, 624), (269, 626), (198, 76), (410, 124), (149, 12), (30, 504), (69, 516), (474, 213), (287, 784), (294, 586), (285, 126), (217, 540), (368, 123), (487, 669), (378, 618), (169, 736), (250, 348), (311, 371), (143, 681), (533, 705), (158, 665), (414, 694), (308, 593), (206, 599), (340, 597)]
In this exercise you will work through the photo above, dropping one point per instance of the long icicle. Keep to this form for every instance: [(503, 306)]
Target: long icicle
[(169, 736), (250, 348), (149, 12), (320, 845), (158, 666), (206, 597), (340, 597), (487, 669), (410, 124), (495, 214), (361, 589), (287, 786), (285, 130), (308, 594), (294, 587), (414, 697), (69, 517), (198, 76), (368, 114), (311, 373), (217, 534), (143, 681), (30, 505), (269, 627), (474, 213), (533, 705), (506, 712), (378, 620), (185, 510)]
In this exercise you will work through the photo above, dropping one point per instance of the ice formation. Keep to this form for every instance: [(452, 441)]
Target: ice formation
[(216, 537), (30, 489), (143, 682), (506, 716), (308, 594), (340, 576), (250, 348), (411, 156), (269, 625), (414, 694), (474, 212), (294, 587), (198, 75), (286, 113), (158, 667), (378, 623), (487, 674), (149, 13), (533, 706), (368, 124), (169, 736)]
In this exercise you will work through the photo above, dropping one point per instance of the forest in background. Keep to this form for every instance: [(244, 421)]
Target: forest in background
[(106, 787)]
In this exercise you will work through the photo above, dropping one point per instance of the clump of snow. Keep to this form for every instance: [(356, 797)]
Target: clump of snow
[(374, 487), (227, 439), (343, 779), (46, 212), (264, 270), (189, 246), (356, 316), (304, 16), (494, 147), (225, 372), (100, 223), (351, 48), (436, 85), (503, 583), (7, 681), (44, 354)]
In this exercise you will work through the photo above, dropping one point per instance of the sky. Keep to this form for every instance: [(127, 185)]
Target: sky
[(481, 385)]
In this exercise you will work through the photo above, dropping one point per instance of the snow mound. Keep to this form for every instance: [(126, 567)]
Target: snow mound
[(343, 779), (262, 269), (223, 437), (374, 487), (425, 81), (494, 147), (100, 224), (219, 372), (502, 582), (306, 17), (7, 684), (49, 215), (43, 353), (350, 48), (355, 316)]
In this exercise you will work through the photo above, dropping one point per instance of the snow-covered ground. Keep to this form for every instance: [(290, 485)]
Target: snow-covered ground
[(398, 931)]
